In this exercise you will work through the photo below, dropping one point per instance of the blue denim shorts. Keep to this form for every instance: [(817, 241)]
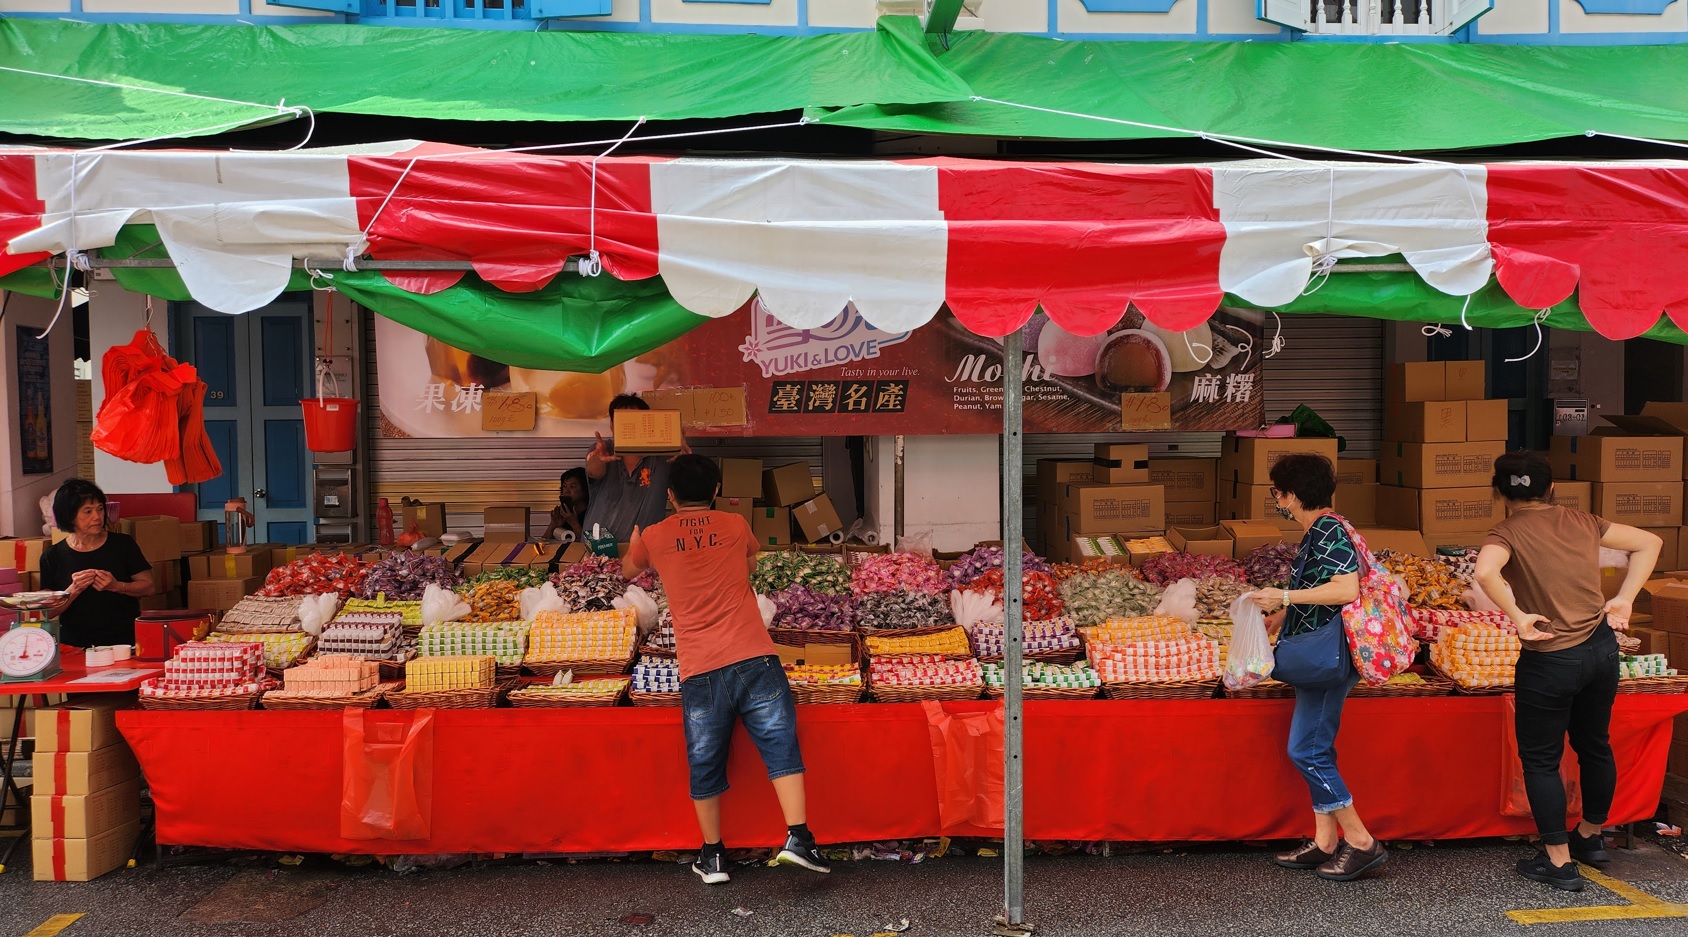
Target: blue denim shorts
[(755, 691)]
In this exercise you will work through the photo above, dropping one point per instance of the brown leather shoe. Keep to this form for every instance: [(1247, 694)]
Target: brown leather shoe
[(1351, 863), (1308, 855)]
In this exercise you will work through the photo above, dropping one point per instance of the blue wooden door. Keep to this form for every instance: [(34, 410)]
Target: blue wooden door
[(256, 368)]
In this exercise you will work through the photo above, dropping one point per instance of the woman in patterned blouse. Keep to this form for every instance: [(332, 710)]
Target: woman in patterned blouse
[(1326, 577)]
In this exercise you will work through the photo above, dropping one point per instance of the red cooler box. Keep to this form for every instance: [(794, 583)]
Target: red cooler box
[(157, 634)]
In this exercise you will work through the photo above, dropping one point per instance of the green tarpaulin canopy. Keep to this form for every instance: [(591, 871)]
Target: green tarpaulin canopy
[(446, 74), (1368, 96)]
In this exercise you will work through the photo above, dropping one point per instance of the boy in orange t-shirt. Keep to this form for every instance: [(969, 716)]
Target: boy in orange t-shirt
[(729, 668)]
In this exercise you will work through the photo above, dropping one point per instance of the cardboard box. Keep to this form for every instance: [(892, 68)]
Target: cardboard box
[(1387, 538), (1192, 514), (743, 507), (88, 724), (1186, 481), (1358, 503), (1416, 381), (1679, 652), (647, 432), (1671, 552), (1641, 504), (1053, 473), (1440, 510), (73, 816), (1467, 380), (1440, 465), (13, 816), (221, 594), (1248, 459), (1487, 420), (817, 518), (1617, 458), (1425, 421), (198, 537), (506, 522), (1204, 541), (1652, 641), (1117, 464), (772, 526), (23, 553), (741, 478), (1242, 502), (1091, 508), (256, 562), (506, 553), (426, 517), (83, 860), (1455, 539), (1354, 473), (77, 773), (1248, 536), (1109, 549), (158, 536), (787, 485), (1578, 496)]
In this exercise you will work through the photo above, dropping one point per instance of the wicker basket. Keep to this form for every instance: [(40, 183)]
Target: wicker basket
[(480, 698), (1676, 684), (1071, 655), (1464, 690), (1433, 685), (827, 693), (227, 702), (653, 699), (277, 700), (1267, 689), (1171, 689), (550, 668), (1047, 692), (921, 694), (800, 637), (527, 699)]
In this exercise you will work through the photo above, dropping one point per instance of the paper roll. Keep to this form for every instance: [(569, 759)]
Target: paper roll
[(97, 657), (565, 536), (121, 652), (837, 536), (870, 537)]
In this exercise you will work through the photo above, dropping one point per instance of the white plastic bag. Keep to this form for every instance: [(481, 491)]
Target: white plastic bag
[(1179, 601), (920, 544), (543, 599), (1250, 659), (315, 611), (1613, 559), (970, 608), (769, 610), (440, 604), (642, 604)]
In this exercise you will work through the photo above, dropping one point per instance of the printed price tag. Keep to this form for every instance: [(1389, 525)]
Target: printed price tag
[(1145, 413), (502, 412)]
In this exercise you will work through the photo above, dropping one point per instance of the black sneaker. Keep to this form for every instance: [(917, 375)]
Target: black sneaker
[(1541, 869), (1589, 849), (803, 853), (711, 868)]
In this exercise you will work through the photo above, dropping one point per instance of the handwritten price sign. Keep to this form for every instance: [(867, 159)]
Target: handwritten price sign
[(504, 412), (1145, 413)]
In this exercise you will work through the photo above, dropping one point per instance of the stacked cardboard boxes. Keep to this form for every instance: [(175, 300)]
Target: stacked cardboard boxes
[(24, 555), (1633, 467), (1052, 476), (86, 808), (1441, 439), (1192, 490), (1115, 498), (1668, 635), (1245, 477)]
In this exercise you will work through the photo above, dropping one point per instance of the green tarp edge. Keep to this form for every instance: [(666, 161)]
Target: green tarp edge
[(1366, 96), (444, 74), (31, 281)]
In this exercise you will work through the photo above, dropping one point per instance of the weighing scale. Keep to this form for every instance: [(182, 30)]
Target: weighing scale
[(29, 650)]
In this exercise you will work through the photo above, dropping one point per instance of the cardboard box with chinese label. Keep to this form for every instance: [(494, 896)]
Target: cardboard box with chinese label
[(1091, 508), (817, 519), (1439, 465), (1577, 496), (1617, 458), (1354, 473), (1249, 459), (1191, 513), (787, 485), (741, 478), (1439, 509), (506, 522), (1187, 481), (647, 432), (1425, 421), (1640, 504), (772, 526), (1121, 464), (1466, 380), (1240, 502), (221, 594), (83, 860), (1053, 473), (426, 518), (1247, 536), (158, 536)]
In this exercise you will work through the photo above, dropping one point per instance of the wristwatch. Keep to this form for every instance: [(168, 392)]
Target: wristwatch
[(1286, 598)]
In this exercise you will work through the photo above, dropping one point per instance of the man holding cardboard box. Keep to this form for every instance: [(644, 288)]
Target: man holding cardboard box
[(103, 571), (628, 489)]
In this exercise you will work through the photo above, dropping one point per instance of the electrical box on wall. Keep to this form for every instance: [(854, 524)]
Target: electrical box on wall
[(332, 492), (1570, 416)]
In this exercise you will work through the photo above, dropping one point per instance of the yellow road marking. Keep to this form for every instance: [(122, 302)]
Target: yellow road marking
[(54, 925), (1641, 906)]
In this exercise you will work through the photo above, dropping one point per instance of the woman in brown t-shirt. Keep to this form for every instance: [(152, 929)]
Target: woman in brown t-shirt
[(1542, 567)]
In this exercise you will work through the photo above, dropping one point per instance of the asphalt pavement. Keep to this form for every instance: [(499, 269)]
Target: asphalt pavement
[(1446, 890)]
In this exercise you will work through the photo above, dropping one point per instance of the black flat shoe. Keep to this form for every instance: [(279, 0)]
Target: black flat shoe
[(1589, 849), (1541, 869)]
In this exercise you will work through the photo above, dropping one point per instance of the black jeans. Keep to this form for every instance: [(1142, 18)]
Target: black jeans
[(1568, 691)]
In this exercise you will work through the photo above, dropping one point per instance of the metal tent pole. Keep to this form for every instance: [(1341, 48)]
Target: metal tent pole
[(1013, 919)]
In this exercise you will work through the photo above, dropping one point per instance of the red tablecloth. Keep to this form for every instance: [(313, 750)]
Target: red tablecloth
[(587, 780), (124, 675)]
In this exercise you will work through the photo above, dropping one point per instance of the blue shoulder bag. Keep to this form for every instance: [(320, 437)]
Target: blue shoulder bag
[(1316, 659)]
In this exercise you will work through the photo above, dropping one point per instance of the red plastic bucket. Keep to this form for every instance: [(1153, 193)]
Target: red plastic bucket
[(331, 423)]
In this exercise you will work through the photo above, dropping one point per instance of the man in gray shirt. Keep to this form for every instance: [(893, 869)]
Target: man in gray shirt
[(628, 490)]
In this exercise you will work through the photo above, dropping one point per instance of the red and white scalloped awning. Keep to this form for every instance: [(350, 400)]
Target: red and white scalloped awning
[(994, 240)]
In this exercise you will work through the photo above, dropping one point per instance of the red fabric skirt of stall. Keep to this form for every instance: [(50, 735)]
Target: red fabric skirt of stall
[(594, 780)]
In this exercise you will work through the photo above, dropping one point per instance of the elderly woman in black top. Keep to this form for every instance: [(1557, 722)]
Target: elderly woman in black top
[(103, 571)]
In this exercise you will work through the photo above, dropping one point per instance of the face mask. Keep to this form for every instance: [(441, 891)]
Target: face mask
[(1286, 514)]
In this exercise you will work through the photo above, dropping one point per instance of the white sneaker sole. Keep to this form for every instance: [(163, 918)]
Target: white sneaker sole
[(712, 878), (787, 857)]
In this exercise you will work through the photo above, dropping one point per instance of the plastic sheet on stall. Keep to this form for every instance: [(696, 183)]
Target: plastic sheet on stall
[(967, 759), (387, 780), (1514, 802)]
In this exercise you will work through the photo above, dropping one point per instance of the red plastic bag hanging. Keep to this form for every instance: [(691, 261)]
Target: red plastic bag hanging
[(967, 757), (1514, 802), (387, 774)]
